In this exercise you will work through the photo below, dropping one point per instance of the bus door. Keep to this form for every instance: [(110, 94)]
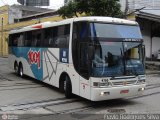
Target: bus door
[(84, 70)]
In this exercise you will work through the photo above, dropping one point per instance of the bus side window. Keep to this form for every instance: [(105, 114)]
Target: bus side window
[(15, 42), (10, 40), (36, 39), (48, 37), (28, 39), (55, 36), (15, 38), (20, 40), (62, 39), (38, 44)]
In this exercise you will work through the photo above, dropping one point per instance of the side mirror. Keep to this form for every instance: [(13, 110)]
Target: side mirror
[(143, 54), (91, 52)]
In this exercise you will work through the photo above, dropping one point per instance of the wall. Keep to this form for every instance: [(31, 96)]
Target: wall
[(123, 4), (14, 13), (146, 33), (3, 32), (152, 44), (156, 45)]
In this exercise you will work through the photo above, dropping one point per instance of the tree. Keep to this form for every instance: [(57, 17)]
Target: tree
[(109, 8), (68, 11)]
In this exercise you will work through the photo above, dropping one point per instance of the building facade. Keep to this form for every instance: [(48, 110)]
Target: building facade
[(10, 17), (3, 32), (34, 2), (18, 11), (137, 4), (67, 1), (149, 21)]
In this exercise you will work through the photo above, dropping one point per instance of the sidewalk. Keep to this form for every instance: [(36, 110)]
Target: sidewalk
[(149, 72), (152, 67), (157, 63)]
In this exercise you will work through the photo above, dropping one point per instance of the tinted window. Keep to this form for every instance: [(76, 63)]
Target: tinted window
[(10, 40), (57, 36), (28, 38), (36, 38), (62, 38), (115, 31), (52, 37), (16, 39), (82, 30), (48, 37), (21, 40), (80, 48)]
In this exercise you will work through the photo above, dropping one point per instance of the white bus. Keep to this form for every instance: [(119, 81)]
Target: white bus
[(98, 58)]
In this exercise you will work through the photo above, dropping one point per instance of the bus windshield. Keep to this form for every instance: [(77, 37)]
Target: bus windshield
[(118, 50), (117, 59)]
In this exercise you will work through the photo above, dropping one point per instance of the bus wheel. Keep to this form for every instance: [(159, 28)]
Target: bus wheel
[(67, 87), (20, 71), (16, 68)]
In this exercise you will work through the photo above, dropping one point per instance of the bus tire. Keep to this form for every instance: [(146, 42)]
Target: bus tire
[(16, 68), (20, 70), (67, 87)]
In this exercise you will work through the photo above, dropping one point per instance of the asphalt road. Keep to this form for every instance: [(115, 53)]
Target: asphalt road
[(26, 98)]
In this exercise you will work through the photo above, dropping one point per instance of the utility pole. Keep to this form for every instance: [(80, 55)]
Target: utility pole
[(2, 37)]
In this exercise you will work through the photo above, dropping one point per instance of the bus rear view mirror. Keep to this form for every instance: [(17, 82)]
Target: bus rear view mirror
[(143, 54)]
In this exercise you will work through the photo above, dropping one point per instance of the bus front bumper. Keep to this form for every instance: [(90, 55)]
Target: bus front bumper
[(98, 94)]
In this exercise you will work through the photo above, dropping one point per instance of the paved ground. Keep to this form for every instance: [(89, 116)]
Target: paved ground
[(29, 99)]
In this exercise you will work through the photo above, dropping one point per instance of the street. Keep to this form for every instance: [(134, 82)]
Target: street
[(31, 99)]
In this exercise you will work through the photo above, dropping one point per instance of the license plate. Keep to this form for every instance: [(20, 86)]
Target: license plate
[(124, 91)]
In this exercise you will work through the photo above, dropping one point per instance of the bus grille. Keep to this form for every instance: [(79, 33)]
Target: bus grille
[(124, 83)]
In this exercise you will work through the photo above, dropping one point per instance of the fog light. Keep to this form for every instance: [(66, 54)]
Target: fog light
[(141, 89), (104, 93)]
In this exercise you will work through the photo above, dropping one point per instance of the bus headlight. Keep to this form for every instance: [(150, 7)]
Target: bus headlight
[(101, 84)]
